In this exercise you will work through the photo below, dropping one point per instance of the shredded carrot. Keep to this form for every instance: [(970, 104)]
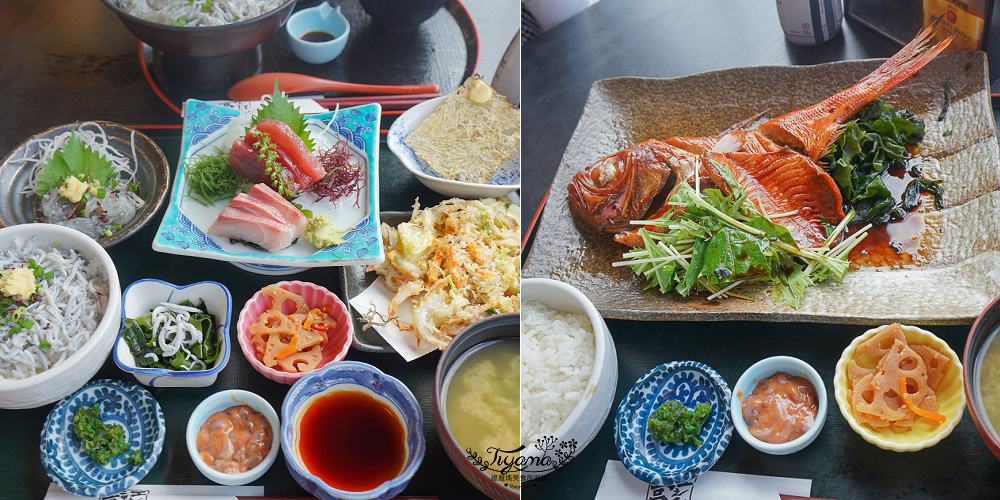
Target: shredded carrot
[(290, 349), (937, 417)]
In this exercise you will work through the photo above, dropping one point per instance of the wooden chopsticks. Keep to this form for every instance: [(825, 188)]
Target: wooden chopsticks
[(388, 102)]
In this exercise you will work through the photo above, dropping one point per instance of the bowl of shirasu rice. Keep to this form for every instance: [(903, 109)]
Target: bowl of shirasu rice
[(569, 372), (54, 341)]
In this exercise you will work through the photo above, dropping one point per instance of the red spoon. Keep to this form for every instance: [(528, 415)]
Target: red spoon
[(252, 88)]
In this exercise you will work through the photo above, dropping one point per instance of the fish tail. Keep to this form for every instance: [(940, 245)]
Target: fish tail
[(815, 128)]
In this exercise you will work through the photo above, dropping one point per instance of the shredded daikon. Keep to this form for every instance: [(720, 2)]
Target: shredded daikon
[(174, 332), (195, 13), (100, 217)]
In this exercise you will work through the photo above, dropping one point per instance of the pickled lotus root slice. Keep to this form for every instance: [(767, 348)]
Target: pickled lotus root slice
[(302, 361), (278, 297), (902, 361), (855, 372), (936, 362), (880, 344), (877, 401)]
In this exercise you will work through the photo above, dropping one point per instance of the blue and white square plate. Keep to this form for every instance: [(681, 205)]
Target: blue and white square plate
[(183, 230), (121, 403), (659, 463)]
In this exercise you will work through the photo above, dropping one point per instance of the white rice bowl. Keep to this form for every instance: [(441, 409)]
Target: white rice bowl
[(76, 319), (557, 359)]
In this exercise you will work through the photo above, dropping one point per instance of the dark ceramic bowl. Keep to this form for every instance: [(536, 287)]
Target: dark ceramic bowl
[(499, 327), (207, 41), (400, 15), (152, 175), (983, 331)]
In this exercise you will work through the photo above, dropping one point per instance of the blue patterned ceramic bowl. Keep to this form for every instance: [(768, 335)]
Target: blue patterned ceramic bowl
[(657, 463), (351, 375), (142, 296), (507, 177), (121, 403)]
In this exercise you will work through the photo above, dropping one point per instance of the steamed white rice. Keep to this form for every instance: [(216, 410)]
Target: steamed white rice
[(69, 308), (557, 358)]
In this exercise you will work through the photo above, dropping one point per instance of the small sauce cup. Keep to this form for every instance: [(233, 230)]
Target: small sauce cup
[(318, 35), (766, 368)]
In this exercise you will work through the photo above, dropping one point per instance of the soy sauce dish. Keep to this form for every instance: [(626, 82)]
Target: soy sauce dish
[(375, 445)]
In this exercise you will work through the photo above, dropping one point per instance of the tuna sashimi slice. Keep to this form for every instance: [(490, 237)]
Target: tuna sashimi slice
[(239, 224), (784, 182), (266, 196), (301, 167)]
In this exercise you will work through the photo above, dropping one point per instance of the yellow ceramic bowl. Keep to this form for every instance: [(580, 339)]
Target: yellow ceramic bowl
[(925, 433)]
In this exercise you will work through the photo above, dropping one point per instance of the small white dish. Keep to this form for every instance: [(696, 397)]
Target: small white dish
[(218, 402), (142, 296), (506, 179), (766, 368)]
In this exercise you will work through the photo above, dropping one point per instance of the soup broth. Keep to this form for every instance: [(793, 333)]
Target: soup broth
[(989, 381), (481, 402)]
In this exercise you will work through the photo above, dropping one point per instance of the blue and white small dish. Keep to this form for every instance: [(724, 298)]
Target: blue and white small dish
[(142, 296), (507, 177), (356, 376), (183, 230), (128, 405), (657, 463)]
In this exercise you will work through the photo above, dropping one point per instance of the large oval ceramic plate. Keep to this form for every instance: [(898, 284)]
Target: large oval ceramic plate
[(183, 230), (507, 178), (121, 403), (152, 175), (659, 463), (962, 240)]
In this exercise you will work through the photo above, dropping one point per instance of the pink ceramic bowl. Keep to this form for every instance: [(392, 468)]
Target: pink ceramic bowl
[(340, 336)]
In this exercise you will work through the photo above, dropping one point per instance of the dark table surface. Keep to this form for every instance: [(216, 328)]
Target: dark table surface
[(66, 61), (674, 38)]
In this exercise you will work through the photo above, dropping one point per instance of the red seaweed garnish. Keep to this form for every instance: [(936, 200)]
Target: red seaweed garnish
[(342, 177)]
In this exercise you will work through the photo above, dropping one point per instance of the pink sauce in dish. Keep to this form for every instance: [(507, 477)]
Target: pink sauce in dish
[(235, 439), (781, 408)]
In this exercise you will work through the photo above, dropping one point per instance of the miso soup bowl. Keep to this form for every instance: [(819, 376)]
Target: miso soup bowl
[(491, 329), (352, 375), (982, 335)]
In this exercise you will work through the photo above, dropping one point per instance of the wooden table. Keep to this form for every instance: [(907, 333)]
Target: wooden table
[(674, 38), (67, 61)]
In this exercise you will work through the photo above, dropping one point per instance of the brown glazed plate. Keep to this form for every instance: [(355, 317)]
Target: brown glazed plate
[(961, 242)]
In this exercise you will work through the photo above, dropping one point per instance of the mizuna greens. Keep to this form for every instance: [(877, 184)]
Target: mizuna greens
[(715, 243)]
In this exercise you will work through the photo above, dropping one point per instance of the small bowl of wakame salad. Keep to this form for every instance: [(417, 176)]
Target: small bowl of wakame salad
[(101, 178), (174, 336)]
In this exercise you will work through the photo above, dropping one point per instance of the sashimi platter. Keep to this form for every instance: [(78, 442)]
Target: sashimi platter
[(324, 165)]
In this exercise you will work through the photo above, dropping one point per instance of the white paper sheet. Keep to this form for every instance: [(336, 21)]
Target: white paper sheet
[(619, 484), (405, 343), (167, 492)]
